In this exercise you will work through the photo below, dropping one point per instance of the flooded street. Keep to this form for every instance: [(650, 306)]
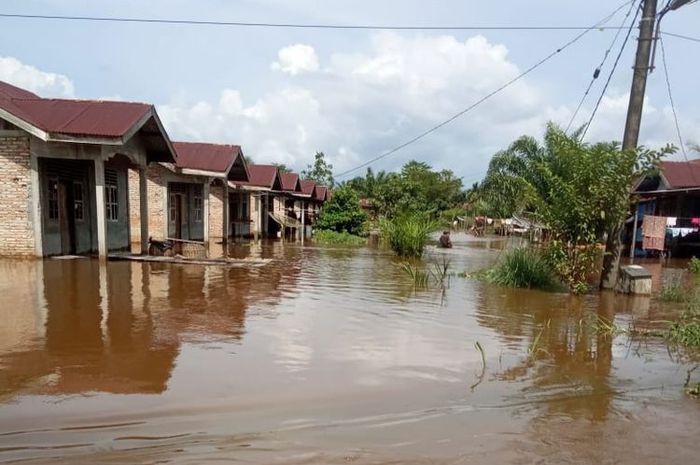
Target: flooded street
[(328, 356)]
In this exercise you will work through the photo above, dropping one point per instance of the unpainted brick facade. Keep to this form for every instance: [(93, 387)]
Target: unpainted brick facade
[(16, 226)]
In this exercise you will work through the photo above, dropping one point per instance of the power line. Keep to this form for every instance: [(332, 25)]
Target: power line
[(681, 36), (612, 71), (193, 22), (483, 99), (673, 106), (596, 73)]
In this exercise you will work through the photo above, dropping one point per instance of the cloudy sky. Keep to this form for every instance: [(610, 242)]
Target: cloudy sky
[(283, 94)]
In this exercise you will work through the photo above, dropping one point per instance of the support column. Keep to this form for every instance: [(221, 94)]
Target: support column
[(35, 204), (257, 201), (205, 210), (303, 223), (225, 213), (143, 205), (100, 207)]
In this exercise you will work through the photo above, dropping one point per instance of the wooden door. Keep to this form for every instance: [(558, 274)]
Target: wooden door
[(178, 216), (66, 219)]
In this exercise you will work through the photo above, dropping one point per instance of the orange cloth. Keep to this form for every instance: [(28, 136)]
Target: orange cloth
[(653, 232)]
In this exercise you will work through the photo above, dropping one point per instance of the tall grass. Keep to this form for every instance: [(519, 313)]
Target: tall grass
[(523, 268), (408, 234), (439, 272), (694, 265), (328, 237)]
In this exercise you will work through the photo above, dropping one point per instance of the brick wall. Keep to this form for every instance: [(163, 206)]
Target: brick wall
[(157, 216), (216, 212), (16, 226), (134, 205)]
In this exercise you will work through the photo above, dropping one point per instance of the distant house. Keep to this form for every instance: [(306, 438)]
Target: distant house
[(674, 193), (64, 172), (196, 198), (262, 188)]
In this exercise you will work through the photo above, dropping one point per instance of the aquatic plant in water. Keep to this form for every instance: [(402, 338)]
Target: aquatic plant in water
[(422, 278), (523, 268), (329, 237), (694, 265), (407, 234)]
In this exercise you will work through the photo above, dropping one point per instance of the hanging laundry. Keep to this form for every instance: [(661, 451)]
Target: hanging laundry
[(695, 221), (671, 221), (653, 232)]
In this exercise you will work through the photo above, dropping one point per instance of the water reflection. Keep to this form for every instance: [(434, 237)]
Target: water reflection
[(321, 356)]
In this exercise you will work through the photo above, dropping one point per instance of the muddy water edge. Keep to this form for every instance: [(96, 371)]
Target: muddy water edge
[(329, 356)]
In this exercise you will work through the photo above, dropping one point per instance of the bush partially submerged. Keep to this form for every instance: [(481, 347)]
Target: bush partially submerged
[(523, 268), (694, 265), (407, 234), (328, 237)]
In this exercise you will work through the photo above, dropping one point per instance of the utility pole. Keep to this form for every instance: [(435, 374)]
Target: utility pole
[(641, 70), (613, 246)]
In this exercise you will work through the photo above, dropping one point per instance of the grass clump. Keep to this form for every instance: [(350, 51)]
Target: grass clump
[(523, 268), (672, 293), (438, 274), (408, 234), (685, 331), (334, 238), (694, 265)]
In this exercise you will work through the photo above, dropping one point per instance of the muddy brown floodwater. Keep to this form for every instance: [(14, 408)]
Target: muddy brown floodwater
[(327, 356)]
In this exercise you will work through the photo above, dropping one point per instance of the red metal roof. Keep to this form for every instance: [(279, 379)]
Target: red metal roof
[(290, 182), (10, 91), (321, 193), (264, 176), (680, 174), (308, 187), (207, 157)]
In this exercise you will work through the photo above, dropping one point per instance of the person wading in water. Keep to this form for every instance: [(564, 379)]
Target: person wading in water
[(445, 241)]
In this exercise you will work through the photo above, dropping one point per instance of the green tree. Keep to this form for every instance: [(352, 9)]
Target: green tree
[(342, 213), (282, 168), (321, 172), (579, 190)]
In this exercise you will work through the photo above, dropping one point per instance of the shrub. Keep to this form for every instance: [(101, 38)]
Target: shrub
[(328, 237), (694, 265), (407, 234), (523, 268), (672, 293), (342, 213), (573, 264)]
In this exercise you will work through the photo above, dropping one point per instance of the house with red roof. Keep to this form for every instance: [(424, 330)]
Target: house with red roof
[(262, 191), (65, 169), (194, 198), (674, 193)]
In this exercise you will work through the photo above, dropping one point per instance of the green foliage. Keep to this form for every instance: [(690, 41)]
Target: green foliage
[(572, 263), (685, 331), (282, 168), (672, 293), (523, 268), (417, 188), (342, 213), (407, 234), (439, 272), (334, 238), (419, 278), (694, 265), (579, 190), (321, 172)]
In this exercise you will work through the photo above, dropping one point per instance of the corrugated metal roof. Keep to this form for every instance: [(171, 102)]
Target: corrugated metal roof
[(308, 187), (264, 176), (290, 182), (681, 174), (77, 117), (321, 193), (207, 157), (10, 91)]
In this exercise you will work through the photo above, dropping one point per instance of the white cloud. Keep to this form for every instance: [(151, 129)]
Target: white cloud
[(296, 59), (369, 101), (28, 77)]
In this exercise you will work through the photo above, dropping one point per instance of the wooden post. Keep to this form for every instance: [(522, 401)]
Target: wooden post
[(303, 223), (100, 207), (143, 205), (634, 231)]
